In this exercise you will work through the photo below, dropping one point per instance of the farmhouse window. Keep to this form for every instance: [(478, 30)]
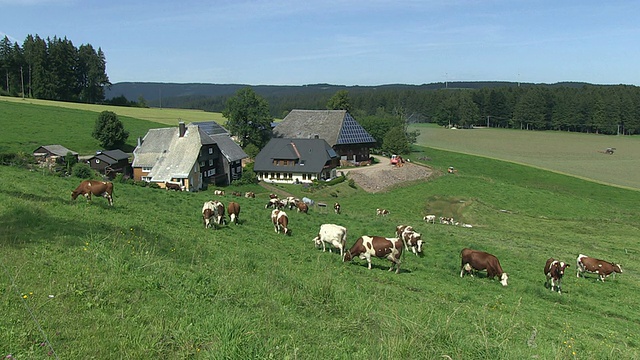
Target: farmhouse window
[(146, 168), (210, 150), (210, 162)]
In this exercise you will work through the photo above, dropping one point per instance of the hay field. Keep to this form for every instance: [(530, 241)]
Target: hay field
[(574, 154)]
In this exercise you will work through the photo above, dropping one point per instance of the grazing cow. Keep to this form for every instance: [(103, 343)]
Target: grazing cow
[(447, 220), (273, 196), (383, 212), (280, 221), (250, 194), (335, 235), (336, 208), (211, 213), (302, 207), (597, 266), (554, 271), (236, 193), (367, 246), (480, 260), (291, 202), (273, 203), (172, 186), (233, 209), (429, 219), (410, 238), (218, 192), (97, 188)]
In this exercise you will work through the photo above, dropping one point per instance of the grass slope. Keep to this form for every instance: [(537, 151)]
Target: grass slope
[(145, 280)]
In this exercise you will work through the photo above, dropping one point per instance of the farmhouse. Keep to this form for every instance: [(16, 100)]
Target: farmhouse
[(296, 161), (111, 162), (187, 156), (337, 127)]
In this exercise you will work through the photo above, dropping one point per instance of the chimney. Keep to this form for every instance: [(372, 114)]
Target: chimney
[(182, 128), (139, 141)]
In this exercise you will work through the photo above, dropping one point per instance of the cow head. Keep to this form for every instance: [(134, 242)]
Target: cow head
[(347, 256), (617, 268), (561, 267), (503, 279), (416, 243)]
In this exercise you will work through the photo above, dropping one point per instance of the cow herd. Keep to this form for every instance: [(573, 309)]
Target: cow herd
[(366, 247)]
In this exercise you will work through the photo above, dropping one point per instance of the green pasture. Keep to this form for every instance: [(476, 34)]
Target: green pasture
[(576, 154), (166, 116), (144, 280)]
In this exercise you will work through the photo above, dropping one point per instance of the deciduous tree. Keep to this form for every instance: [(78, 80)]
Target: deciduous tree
[(109, 130), (248, 118)]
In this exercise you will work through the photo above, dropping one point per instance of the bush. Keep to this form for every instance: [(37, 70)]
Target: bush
[(82, 170), (248, 176), (352, 183)]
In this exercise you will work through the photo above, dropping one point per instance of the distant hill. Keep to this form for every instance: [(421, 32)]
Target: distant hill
[(157, 93)]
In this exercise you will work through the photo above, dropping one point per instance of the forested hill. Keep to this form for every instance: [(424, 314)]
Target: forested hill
[(163, 94), (568, 106)]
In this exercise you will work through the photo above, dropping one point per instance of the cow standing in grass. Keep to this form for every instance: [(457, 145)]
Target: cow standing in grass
[(97, 188), (602, 268), (233, 209), (554, 271), (474, 260), (280, 221), (335, 235), (376, 246)]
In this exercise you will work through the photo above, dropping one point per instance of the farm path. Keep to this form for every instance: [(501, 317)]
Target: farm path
[(382, 175)]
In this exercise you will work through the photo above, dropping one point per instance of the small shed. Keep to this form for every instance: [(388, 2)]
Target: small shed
[(55, 153), (111, 162)]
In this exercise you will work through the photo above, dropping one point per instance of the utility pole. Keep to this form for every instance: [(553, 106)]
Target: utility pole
[(488, 116), (22, 82)]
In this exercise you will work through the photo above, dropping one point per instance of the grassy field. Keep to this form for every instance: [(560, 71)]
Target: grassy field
[(144, 280), (568, 153), (164, 116)]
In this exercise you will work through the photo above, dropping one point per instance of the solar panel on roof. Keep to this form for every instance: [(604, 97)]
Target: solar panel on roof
[(352, 132)]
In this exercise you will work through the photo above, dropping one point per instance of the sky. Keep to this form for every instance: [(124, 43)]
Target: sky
[(344, 42)]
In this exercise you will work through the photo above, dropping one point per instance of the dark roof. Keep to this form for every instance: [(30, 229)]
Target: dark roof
[(116, 155), (228, 147), (211, 127), (337, 127), (310, 154)]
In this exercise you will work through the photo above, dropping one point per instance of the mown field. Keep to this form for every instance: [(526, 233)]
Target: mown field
[(577, 154), (143, 279)]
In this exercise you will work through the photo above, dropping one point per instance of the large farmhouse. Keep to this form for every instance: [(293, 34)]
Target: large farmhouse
[(296, 161), (337, 127), (187, 157)]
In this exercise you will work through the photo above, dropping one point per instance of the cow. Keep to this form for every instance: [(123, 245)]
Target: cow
[(94, 187), (302, 207), (280, 221), (250, 194), (597, 266), (291, 202), (273, 203), (335, 235), (382, 212), (367, 246), (236, 193), (410, 238), (207, 215), (447, 220), (233, 209), (273, 196), (308, 201), (480, 260), (429, 219), (218, 192), (172, 186), (336, 208), (218, 211), (554, 271)]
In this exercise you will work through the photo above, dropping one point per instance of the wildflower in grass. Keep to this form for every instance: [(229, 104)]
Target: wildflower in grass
[(24, 296)]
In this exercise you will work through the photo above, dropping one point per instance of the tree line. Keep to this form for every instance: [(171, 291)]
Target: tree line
[(52, 69), (601, 109)]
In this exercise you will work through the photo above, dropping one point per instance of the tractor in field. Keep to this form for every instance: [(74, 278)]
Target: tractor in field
[(396, 160)]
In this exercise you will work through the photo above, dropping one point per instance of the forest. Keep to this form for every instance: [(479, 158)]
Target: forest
[(52, 69)]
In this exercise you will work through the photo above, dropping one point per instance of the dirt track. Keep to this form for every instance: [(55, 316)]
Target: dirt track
[(381, 176)]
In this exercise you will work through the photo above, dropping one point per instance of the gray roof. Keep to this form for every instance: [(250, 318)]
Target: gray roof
[(58, 150), (228, 147), (337, 127), (310, 154)]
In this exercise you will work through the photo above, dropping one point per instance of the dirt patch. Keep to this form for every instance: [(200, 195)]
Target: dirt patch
[(381, 176)]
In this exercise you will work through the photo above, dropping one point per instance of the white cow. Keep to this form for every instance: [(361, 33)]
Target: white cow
[(410, 238), (429, 219), (335, 235)]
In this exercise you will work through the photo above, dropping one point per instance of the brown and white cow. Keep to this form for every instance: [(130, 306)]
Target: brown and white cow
[(367, 246), (474, 260), (302, 207), (597, 266), (335, 235), (554, 271), (250, 194), (273, 203), (273, 196), (382, 212), (410, 238), (218, 192), (280, 221), (336, 208), (217, 212), (233, 209), (97, 188)]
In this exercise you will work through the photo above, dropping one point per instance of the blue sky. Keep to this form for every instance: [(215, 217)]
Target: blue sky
[(349, 42)]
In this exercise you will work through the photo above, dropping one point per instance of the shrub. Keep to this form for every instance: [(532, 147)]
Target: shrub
[(82, 170), (352, 183)]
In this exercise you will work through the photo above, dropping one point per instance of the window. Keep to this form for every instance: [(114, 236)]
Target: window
[(210, 150), (145, 178), (146, 168), (97, 161), (210, 162)]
